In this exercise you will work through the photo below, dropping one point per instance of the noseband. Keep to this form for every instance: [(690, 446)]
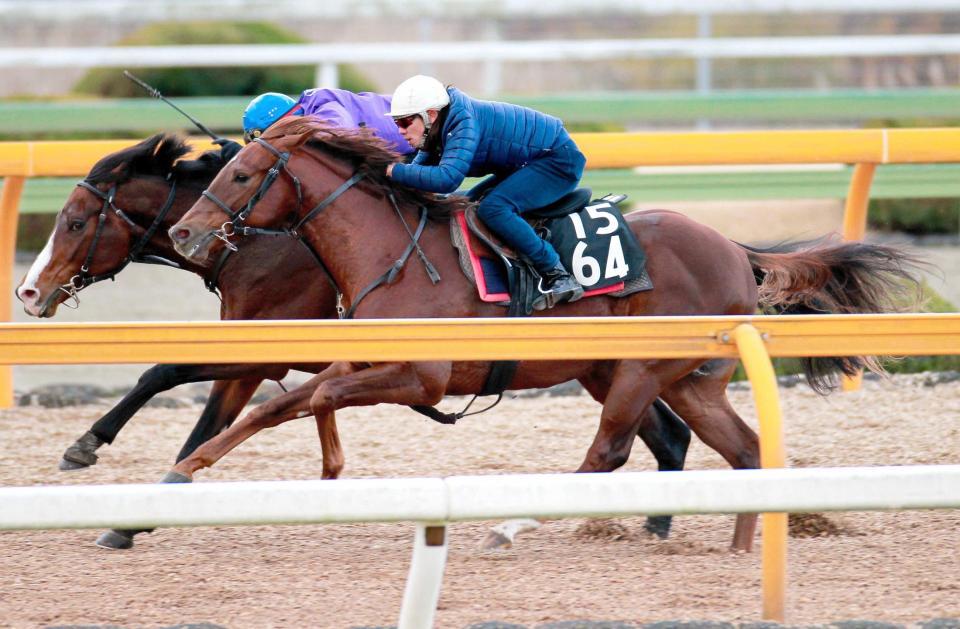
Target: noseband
[(84, 278)]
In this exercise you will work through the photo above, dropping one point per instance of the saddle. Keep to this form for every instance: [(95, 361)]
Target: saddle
[(591, 237)]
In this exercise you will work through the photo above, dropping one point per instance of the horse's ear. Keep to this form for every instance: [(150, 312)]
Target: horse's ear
[(168, 150), (298, 140), (121, 171)]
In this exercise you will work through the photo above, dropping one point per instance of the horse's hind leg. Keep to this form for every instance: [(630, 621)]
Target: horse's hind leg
[(665, 435), (663, 432), (701, 399), (634, 385)]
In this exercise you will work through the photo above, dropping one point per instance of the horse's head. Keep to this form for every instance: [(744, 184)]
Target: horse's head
[(259, 178), (106, 222)]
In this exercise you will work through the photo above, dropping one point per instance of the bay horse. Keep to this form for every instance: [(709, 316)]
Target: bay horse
[(141, 191), (329, 187)]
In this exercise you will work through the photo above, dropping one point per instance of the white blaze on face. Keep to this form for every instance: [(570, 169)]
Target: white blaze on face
[(39, 265)]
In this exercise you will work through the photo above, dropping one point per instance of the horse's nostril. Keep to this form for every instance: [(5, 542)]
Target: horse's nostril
[(27, 293), (181, 234)]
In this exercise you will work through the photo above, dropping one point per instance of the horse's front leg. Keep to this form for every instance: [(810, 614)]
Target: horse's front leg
[(330, 446), (351, 384), (291, 405), (155, 380), (225, 403)]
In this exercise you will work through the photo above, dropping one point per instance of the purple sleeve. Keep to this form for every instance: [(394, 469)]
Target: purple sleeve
[(334, 114)]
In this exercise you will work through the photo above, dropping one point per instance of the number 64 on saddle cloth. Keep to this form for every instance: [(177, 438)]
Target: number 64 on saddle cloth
[(594, 243)]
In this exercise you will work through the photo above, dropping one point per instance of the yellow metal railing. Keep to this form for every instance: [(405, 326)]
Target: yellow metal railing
[(539, 338), (9, 200), (754, 339)]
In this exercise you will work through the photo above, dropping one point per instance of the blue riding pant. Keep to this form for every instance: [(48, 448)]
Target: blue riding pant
[(539, 183)]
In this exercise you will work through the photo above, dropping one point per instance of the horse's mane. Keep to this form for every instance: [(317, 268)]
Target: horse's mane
[(158, 155), (368, 154)]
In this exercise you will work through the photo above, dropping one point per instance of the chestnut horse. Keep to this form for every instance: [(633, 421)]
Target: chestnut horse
[(270, 278), (328, 186)]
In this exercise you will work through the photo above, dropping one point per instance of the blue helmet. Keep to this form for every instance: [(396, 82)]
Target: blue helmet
[(263, 111)]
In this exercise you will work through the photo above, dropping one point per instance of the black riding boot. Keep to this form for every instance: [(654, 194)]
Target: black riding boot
[(556, 286)]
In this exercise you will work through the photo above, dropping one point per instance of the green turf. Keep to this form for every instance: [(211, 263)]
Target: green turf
[(44, 195), (84, 118)]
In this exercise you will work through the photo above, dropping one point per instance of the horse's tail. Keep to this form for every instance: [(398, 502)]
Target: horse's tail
[(827, 276)]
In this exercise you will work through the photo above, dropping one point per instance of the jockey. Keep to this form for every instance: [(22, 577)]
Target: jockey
[(339, 108), (531, 157)]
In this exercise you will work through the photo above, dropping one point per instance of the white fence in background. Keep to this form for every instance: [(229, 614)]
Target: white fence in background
[(431, 502), (140, 11), (490, 53)]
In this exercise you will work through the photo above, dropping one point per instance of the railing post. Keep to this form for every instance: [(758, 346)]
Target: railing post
[(492, 68), (327, 75), (855, 228), (704, 64), (858, 200), (756, 362), (426, 575), (9, 208)]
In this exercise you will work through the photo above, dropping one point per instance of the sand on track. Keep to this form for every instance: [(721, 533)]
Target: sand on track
[(897, 567)]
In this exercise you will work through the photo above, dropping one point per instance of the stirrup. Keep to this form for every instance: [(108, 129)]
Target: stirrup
[(549, 299)]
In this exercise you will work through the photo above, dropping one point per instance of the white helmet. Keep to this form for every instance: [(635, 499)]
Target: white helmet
[(418, 94)]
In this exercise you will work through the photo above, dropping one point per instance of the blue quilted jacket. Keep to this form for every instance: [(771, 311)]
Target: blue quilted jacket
[(482, 138)]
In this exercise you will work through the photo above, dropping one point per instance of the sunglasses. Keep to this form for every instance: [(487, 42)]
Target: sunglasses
[(406, 121), (250, 136)]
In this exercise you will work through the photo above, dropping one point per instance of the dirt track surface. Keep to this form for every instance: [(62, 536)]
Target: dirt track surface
[(894, 567)]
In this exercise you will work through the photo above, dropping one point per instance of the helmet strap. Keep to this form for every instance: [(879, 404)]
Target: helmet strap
[(426, 122)]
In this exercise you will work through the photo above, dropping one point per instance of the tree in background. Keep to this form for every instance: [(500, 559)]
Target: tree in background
[(213, 81)]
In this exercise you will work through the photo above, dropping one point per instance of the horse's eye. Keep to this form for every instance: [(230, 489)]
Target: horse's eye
[(241, 178), (76, 225)]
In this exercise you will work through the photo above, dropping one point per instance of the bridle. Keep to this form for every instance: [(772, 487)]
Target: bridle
[(237, 218), (84, 278)]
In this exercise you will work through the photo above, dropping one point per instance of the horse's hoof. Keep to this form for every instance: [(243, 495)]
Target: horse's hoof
[(83, 453), (175, 477), (502, 535), (116, 540), (659, 525), (496, 541), (66, 465)]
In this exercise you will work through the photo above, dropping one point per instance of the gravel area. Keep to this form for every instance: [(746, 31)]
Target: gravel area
[(897, 567)]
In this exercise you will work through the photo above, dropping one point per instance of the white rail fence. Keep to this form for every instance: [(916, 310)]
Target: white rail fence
[(188, 10), (432, 502), (489, 53)]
